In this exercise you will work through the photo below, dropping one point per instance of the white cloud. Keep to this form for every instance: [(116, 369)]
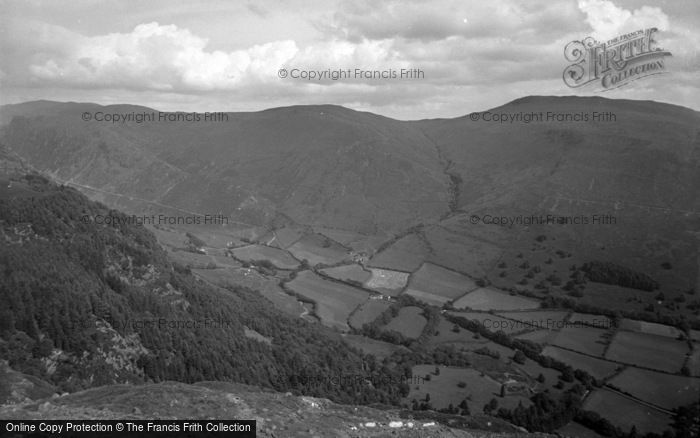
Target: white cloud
[(608, 20)]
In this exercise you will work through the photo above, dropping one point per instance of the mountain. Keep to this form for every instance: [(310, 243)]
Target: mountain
[(366, 180)]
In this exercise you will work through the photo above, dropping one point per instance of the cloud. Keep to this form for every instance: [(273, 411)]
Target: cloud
[(608, 20)]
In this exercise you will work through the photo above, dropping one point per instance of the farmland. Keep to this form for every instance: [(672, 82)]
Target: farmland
[(551, 320), (492, 322), (599, 321), (651, 351), (492, 299), (435, 284), (406, 254), (318, 249), (409, 322), (661, 389), (444, 390), (462, 338), (387, 281), (597, 368), (367, 312), (649, 328), (586, 340), (281, 259), (333, 301), (625, 413), (380, 349), (352, 272)]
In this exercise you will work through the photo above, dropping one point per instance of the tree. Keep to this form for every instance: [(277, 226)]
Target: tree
[(519, 357)]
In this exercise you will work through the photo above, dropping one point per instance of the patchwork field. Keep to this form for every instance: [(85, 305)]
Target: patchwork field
[(598, 321), (406, 254), (492, 299), (353, 272), (694, 361), (539, 336), (597, 368), (446, 334), (551, 320), (651, 351), (492, 322), (386, 281), (575, 430), (367, 312), (280, 258), (625, 413), (334, 301), (435, 284), (461, 252), (317, 249), (649, 328), (285, 237), (584, 340), (444, 388), (409, 322), (661, 389)]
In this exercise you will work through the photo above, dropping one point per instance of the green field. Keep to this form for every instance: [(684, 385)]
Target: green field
[(545, 319), (437, 285), (649, 328), (367, 312), (386, 281), (597, 368), (598, 321), (492, 322), (317, 249), (582, 339), (651, 351), (575, 430), (661, 389), (462, 338), (334, 302), (444, 389), (491, 299), (409, 322), (406, 254), (461, 252), (539, 336), (280, 258), (353, 272), (625, 413), (694, 360)]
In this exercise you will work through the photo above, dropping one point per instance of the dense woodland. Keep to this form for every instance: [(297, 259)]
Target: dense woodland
[(63, 276)]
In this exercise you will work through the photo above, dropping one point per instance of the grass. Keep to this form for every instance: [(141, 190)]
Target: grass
[(406, 254), (492, 299), (660, 389), (694, 361), (280, 258), (318, 249), (573, 429), (460, 251), (539, 336), (334, 301), (409, 322), (463, 337), (583, 339), (444, 389), (599, 321), (625, 413), (598, 368), (649, 328), (492, 322), (353, 272), (651, 351), (548, 319), (379, 349), (438, 284), (367, 312), (386, 281)]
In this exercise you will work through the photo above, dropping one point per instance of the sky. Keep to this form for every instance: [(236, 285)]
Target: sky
[(228, 55)]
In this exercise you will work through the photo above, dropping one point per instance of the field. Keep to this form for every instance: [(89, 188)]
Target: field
[(334, 301), (444, 389), (280, 258), (539, 336), (318, 249), (598, 321), (285, 237), (492, 299), (386, 281), (491, 322), (651, 351), (583, 339), (660, 389), (625, 413), (694, 361), (267, 287), (552, 320), (353, 272), (409, 322), (437, 284), (462, 338), (649, 328), (367, 345), (461, 252), (597, 368), (575, 430), (406, 254), (367, 312)]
